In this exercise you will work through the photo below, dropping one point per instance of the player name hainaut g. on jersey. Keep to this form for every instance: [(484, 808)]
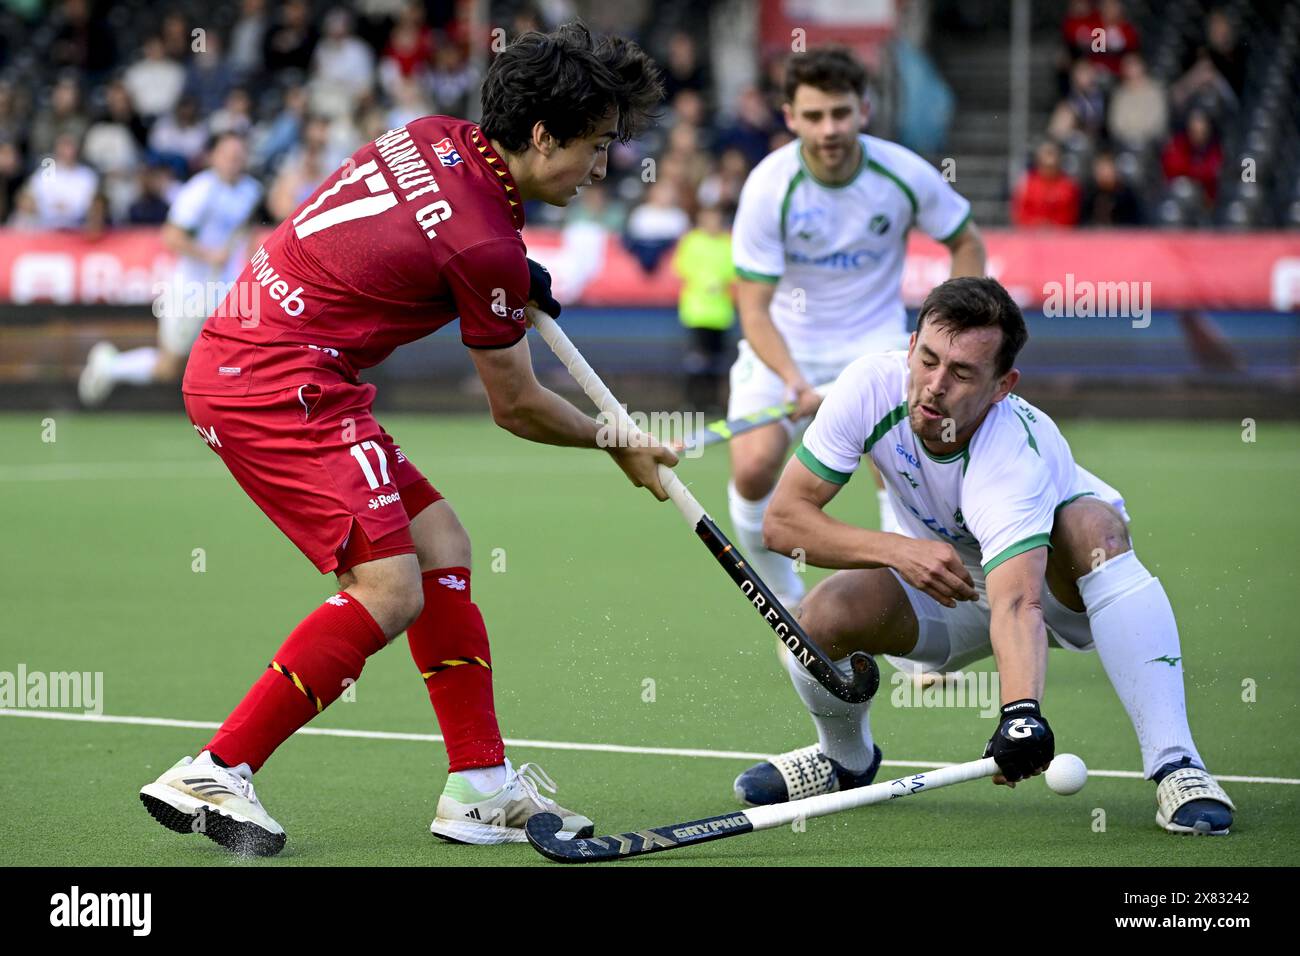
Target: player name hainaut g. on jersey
[(417, 229), (993, 500), (836, 252)]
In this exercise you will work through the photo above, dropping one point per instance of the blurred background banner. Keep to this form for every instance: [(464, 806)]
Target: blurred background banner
[(1183, 269)]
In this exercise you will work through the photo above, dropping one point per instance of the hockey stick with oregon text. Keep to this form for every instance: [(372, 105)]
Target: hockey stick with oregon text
[(542, 828), (861, 686)]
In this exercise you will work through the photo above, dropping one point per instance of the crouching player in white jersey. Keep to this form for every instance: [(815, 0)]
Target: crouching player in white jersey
[(1004, 542), (207, 229), (819, 241)]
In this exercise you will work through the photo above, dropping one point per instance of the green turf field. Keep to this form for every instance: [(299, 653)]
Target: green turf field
[(602, 591)]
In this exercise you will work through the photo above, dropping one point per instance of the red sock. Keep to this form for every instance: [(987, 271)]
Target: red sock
[(450, 646), (306, 676)]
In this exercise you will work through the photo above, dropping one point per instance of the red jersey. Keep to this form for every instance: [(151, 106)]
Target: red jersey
[(417, 228)]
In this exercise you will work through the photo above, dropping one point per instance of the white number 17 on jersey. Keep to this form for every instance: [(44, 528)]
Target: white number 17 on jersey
[(305, 223)]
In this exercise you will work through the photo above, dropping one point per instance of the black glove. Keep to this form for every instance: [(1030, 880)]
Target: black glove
[(1023, 742), (539, 289)]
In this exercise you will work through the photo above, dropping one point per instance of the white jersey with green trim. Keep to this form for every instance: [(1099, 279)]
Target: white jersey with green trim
[(836, 252), (992, 500), (212, 211)]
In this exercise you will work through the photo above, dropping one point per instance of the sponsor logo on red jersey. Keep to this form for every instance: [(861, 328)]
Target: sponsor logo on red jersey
[(446, 152), (383, 501)]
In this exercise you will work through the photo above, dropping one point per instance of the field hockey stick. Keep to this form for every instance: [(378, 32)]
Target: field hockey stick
[(865, 674), (725, 429), (542, 828)]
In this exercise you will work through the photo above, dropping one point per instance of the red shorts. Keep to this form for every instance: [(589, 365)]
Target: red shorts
[(314, 459)]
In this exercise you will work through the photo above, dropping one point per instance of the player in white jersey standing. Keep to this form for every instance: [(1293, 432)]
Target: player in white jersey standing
[(207, 229), (1004, 542), (819, 241)]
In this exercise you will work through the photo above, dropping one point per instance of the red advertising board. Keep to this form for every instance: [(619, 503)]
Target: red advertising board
[(1188, 269)]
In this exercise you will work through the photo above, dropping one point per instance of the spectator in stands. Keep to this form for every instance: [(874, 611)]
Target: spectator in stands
[(526, 19), (1119, 37), (688, 108), (156, 187), (154, 82), (290, 40), (11, 177), (178, 43), (705, 306), (408, 103), (1215, 72), (235, 115), (302, 171), (1109, 200), (113, 146), (1083, 112), (25, 218), (375, 19), (682, 69), (752, 127), (688, 164), (1045, 195), (722, 186), (656, 225), (181, 136), (1138, 115), (82, 41), (343, 67), (1195, 153), (451, 80), (596, 206), (246, 40), (409, 50), (209, 78), (772, 83), (62, 191), (274, 140), (63, 118), (13, 117), (1078, 31)]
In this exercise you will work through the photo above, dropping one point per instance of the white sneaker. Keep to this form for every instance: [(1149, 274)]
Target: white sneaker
[(1190, 801), (95, 383), (467, 816), (201, 796)]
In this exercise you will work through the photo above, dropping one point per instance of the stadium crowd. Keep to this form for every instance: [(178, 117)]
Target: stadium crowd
[(116, 130), (1120, 136)]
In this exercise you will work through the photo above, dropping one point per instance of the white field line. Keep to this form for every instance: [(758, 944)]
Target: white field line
[(546, 744)]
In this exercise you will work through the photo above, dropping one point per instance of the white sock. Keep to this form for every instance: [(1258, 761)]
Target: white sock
[(486, 779), (1133, 626), (843, 729), (776, 570), (888, 520), (134, 367)]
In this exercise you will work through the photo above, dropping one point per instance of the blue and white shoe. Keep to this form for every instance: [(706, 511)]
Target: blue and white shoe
[(806, 772), (1189, 800)]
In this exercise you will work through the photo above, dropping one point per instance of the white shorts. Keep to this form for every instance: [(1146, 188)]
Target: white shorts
[(952, 638), (182, 308), (754, 386), (178, 330)]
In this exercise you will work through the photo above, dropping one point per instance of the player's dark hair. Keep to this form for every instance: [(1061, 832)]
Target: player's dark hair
[(831, 69), (976, 302), (568, 81)]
